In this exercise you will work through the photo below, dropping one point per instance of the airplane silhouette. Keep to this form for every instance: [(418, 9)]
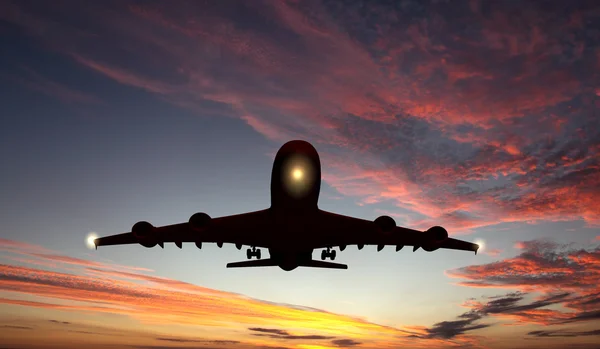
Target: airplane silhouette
[(293, 227)]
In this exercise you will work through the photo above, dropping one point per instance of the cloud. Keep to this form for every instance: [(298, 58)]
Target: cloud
[(14, 327), (269, 330), (15, 246), (345, 343), (451, 329), (281, 334), (493, 252), (44, 257), (164, 301), (541, 266), (185, 340), (36, 82), (564, 279), (154, 300), (511, 307), (465, 126), (564, 333)]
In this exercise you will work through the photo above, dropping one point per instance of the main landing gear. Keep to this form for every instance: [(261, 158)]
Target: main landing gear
[(254, 252), (329, 253)]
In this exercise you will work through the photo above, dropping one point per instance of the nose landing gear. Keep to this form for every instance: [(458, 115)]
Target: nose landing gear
[(329, 253), (254, 252)]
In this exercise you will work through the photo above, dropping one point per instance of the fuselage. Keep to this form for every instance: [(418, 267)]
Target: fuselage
[(295, 187), (296, 178)]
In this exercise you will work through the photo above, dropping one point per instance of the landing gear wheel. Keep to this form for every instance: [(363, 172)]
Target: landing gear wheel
[(258, 254), (249, 254), (332, 255), (323, 255)]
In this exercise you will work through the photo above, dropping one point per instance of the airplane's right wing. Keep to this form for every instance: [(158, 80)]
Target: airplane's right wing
[(340, 230), (246, 229)]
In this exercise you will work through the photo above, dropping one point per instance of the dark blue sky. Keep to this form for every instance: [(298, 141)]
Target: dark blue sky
[(478, 116)]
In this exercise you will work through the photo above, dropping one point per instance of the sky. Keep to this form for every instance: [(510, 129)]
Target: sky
[(481, 117)]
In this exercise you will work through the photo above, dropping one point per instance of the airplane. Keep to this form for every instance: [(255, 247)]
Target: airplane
[(293, 226)]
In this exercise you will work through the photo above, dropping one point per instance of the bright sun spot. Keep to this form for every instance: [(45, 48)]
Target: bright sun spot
[(89, 241), (297, 174), (481, 244)]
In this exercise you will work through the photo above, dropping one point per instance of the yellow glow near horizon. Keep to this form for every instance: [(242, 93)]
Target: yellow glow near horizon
[(89, 241)]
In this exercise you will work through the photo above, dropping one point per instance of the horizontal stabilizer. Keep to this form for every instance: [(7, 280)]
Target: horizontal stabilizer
[(322, 264), (270, 263), (255, 263)]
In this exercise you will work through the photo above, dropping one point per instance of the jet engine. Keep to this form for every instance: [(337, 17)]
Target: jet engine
[(145, 234), (199, 221), (385, 223), (434, 238)]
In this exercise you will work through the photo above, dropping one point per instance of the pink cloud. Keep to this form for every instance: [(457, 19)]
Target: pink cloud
[(44, 257), (446, 116), (493, 252), (545, 268), (66, 94)]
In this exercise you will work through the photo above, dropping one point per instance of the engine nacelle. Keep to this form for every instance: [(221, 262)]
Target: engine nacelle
[(199, 221), (145, 234), (385, 223), (435, 236), (142, 230)]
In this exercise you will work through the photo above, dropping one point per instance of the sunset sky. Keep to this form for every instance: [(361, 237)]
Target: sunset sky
[(479, 116)]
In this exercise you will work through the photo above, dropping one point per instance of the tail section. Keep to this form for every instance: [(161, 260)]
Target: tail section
[(271, 263), (255, 263), (321, 264)]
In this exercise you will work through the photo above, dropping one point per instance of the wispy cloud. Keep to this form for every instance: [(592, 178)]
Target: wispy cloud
[(455, 126), (282, 334), (563, 278), (15, 327), (37, 82), (41, 256), (162, 301), (559, 333), (493, 252)]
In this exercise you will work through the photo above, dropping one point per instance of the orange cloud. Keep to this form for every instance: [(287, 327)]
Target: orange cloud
[(158, 301)]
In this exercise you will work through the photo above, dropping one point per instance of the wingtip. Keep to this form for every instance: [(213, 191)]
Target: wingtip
[(476, 249)]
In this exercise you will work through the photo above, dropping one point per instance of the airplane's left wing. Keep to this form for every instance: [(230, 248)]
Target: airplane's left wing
[(249, 229), (340, 230)]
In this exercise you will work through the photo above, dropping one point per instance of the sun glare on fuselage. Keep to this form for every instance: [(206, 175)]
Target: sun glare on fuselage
[(297, 174)]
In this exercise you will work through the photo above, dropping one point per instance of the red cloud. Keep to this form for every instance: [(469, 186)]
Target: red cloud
[(547, 268), (467, 128)]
